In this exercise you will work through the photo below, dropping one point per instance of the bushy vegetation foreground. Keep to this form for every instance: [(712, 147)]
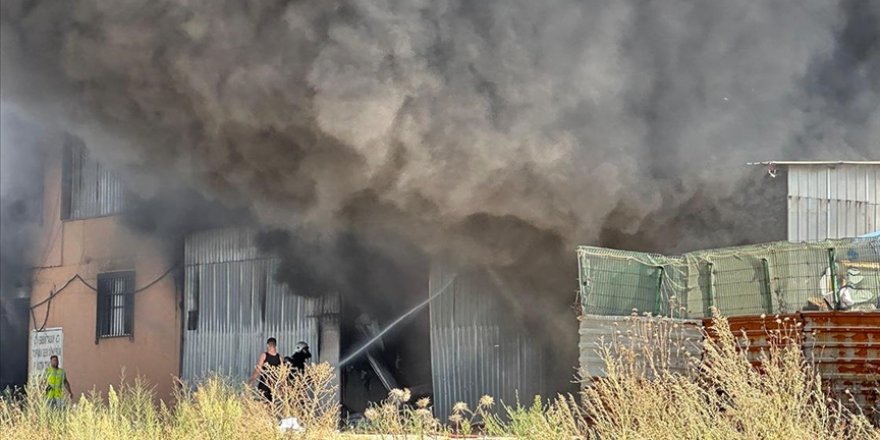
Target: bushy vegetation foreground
[(655, 388)]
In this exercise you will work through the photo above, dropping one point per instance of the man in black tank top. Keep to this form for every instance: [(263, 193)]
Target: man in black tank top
[(269, 358)]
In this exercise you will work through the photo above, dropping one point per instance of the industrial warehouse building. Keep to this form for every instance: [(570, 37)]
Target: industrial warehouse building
[(109, 299), (829, 200), (113, 302)]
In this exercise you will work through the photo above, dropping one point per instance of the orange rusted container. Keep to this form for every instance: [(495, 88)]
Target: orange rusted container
[(844, 347)]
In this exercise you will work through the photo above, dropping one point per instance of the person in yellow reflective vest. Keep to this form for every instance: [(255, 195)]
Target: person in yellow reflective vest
[(56, 383)]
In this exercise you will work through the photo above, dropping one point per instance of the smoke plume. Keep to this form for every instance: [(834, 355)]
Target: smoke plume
[(497, 134), (22, 148)]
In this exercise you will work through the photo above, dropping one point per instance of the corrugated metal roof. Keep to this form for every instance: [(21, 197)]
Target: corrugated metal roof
[(473, 351)]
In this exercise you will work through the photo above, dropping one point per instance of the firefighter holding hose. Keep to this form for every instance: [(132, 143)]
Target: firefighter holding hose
[(298, 359)]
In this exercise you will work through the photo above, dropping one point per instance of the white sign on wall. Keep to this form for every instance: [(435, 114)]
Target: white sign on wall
[(45, 343)]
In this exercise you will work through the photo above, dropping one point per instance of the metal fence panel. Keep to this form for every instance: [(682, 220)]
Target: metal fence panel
[(734, 282), (620, 282), (769, 278), (797, 272), (864, 256)]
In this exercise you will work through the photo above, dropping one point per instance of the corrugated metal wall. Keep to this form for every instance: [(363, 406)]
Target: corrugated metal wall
[(843, 346), (832, 201), (233, 305), (92, 189), (846, 350), (473, 351), (680, 337)]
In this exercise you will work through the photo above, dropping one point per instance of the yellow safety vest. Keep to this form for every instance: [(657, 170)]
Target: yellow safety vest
[(55, 378)]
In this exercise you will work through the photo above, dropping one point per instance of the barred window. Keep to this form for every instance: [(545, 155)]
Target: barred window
[(115, 304), (90, 189)]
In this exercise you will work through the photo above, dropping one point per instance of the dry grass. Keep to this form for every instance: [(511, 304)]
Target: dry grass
[(216, 409), (395, 417), (720, 395)]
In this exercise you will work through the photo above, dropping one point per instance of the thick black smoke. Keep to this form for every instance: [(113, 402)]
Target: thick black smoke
[(174, 211), (380, 278), (23, 145), (556, 113), (496, 133)]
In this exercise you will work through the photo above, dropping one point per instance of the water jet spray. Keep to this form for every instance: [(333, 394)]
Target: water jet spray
[(388, 328)]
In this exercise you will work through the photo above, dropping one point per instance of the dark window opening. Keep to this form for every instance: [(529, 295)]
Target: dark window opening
[(115, 304), (89, 188), (192, 320)]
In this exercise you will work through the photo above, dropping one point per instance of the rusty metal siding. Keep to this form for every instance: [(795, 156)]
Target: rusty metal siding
[(758, 331), (473, 351), (233, 304), (827, 201), (846, 349), (597, 331)]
